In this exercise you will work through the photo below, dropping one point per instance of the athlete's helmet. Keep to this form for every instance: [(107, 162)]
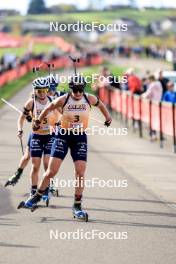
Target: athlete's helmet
[(77, 81), (53, 83), (40, 83)]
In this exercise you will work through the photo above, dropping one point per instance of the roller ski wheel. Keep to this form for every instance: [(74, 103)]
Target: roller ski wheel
[(14, 178), (21, 205), (25, 205), (46, 199), (78, 213), (54, 192), (34, 207), (12, 181), (84, 216), (47, 202), (30, 203)]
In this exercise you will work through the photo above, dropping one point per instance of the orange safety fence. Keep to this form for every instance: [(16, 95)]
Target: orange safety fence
[(159, 116), (136, 103), (145, 111), (155, 116), (167, 118)]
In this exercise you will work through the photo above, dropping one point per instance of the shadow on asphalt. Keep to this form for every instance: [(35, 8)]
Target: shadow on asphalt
[(2, 244), (5, 202), (119, 200), (107, 222), (151, 213)]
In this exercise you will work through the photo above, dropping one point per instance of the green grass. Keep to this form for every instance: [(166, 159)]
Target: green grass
[(38, 48), (143, 17)]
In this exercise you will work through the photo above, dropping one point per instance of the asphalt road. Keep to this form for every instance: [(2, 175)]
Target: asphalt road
[(142, 215)]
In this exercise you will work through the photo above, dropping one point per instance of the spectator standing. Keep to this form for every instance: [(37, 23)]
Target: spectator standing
[(162, 80), (153, 93), (170, 94), (134, 83)]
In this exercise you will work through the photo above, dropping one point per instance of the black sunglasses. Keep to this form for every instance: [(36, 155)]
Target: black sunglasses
[(80, 90)]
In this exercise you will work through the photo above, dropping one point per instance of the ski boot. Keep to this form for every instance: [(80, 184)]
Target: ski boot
[(31, 203), (78, 213), (15, 178)]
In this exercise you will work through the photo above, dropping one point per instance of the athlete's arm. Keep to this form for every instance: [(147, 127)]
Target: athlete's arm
[(22, 117), (56, 104), (95, 101)]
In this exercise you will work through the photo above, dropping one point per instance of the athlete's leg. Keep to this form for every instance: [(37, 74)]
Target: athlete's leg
[(45, 165), (36, 161), (53, 167), (58, 153), (78, 148), (25, 159), (47, 146), (80, 168), (46, 161), (36, 150)]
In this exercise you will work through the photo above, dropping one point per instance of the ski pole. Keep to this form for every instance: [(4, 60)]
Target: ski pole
[(22, 148), (11, 105)]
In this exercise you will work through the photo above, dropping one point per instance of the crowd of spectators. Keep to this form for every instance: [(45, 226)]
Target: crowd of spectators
[(11, 61), (155, 86), (151, 51)]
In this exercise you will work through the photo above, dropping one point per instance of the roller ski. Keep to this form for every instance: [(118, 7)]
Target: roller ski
[(54, 191), (78, 213), (14, 179), (46, 197), (31, 203)]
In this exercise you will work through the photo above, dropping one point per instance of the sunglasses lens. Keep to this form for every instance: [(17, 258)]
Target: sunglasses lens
[(42, 90), (77, 90)]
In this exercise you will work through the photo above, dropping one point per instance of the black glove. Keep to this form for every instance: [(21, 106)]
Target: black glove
[(107, 123), (20, 133), (29, 118), (36, 125)]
